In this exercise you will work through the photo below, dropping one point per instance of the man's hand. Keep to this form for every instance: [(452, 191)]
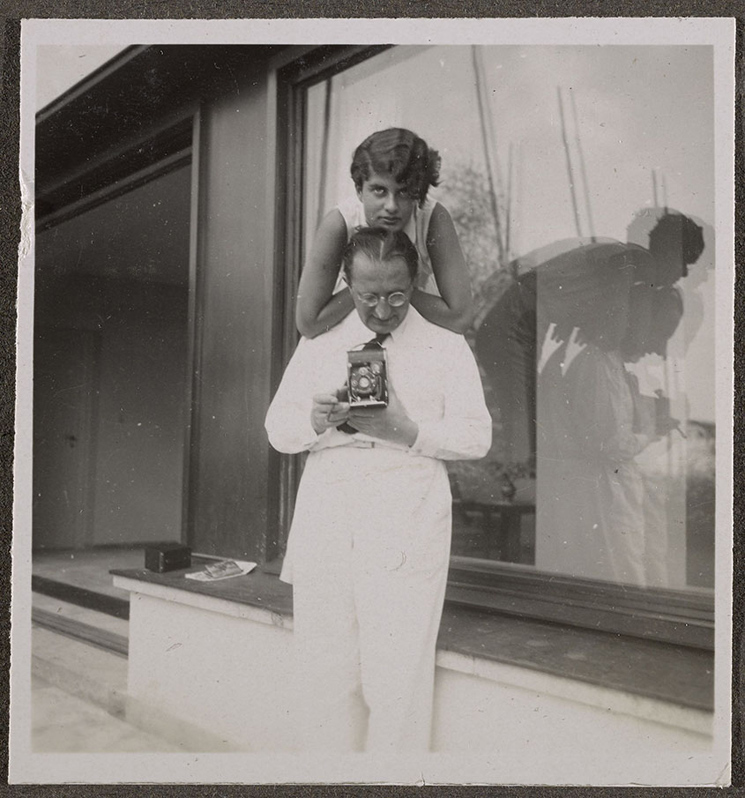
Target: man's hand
[(390, 423), (327, 412)]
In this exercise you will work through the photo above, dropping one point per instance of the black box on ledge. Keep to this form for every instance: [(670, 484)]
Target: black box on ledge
[(167, 557)]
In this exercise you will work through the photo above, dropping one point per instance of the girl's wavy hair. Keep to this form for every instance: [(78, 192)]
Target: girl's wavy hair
[(401, 154)]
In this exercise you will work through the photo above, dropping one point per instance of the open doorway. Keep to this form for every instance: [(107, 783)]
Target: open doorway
[(110, 365)]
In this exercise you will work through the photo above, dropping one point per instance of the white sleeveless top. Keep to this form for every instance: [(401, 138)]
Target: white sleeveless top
[(416, 229)]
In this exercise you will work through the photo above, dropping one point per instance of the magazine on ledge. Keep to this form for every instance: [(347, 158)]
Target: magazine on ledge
[(225, 569)]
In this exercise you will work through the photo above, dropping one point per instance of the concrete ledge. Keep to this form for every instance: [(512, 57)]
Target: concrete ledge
[(649, 709), (202, 601), (480, 703), (696, 720)]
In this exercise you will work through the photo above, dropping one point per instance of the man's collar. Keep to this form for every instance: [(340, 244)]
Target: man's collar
[(366, 333), (400, 330)]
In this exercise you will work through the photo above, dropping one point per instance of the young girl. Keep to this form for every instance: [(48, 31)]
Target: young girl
[(392, 171)]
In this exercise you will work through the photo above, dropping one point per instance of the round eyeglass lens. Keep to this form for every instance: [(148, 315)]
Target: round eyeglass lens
[(395, 300)]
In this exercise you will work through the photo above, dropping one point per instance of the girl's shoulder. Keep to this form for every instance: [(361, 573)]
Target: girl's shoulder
[(331, 231), (352, 212), (425, 210)]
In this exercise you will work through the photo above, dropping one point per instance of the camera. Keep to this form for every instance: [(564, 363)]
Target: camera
[(366, 378), (664, 422)]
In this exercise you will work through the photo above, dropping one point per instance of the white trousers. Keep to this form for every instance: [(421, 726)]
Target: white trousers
[(368, 584)]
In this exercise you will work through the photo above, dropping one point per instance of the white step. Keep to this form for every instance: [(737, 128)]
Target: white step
[(89, 626), (62, 723), (64, 609), (79, 699), (88, 672)]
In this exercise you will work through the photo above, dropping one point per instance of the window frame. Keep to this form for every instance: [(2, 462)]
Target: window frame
[(681, 617)]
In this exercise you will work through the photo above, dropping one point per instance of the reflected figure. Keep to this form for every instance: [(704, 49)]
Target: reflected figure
[(593, 422), (558, 348), (506, 345)]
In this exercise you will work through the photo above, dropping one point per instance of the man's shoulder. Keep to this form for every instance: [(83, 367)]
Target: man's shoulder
[(435, 344), (426, 330), (343, 333)]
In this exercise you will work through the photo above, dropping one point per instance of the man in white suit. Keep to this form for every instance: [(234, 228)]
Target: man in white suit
[(369, 545)]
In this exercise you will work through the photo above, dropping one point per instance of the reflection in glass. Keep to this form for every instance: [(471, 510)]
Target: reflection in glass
[(600, 308), (596, 352)]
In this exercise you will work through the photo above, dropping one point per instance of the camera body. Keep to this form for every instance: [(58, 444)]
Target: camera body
[(664, 422), (367, 378)]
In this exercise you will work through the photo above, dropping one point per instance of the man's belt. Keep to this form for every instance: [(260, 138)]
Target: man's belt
[(358, 444)]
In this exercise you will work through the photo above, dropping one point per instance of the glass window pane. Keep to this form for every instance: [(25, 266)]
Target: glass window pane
[(594, 294), (111, 316)]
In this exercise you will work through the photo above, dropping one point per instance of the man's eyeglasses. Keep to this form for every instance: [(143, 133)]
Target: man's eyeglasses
[(395, 300)]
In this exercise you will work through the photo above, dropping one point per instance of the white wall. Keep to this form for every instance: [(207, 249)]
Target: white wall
[(216, 675)]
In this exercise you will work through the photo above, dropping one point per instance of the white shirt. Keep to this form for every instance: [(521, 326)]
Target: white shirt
[(436, 378), (434, 374)]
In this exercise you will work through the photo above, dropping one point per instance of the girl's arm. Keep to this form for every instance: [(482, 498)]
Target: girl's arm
[(317, 307), (454, 308)]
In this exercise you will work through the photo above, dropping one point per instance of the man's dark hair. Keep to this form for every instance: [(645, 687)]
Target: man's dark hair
[(380, 246)]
